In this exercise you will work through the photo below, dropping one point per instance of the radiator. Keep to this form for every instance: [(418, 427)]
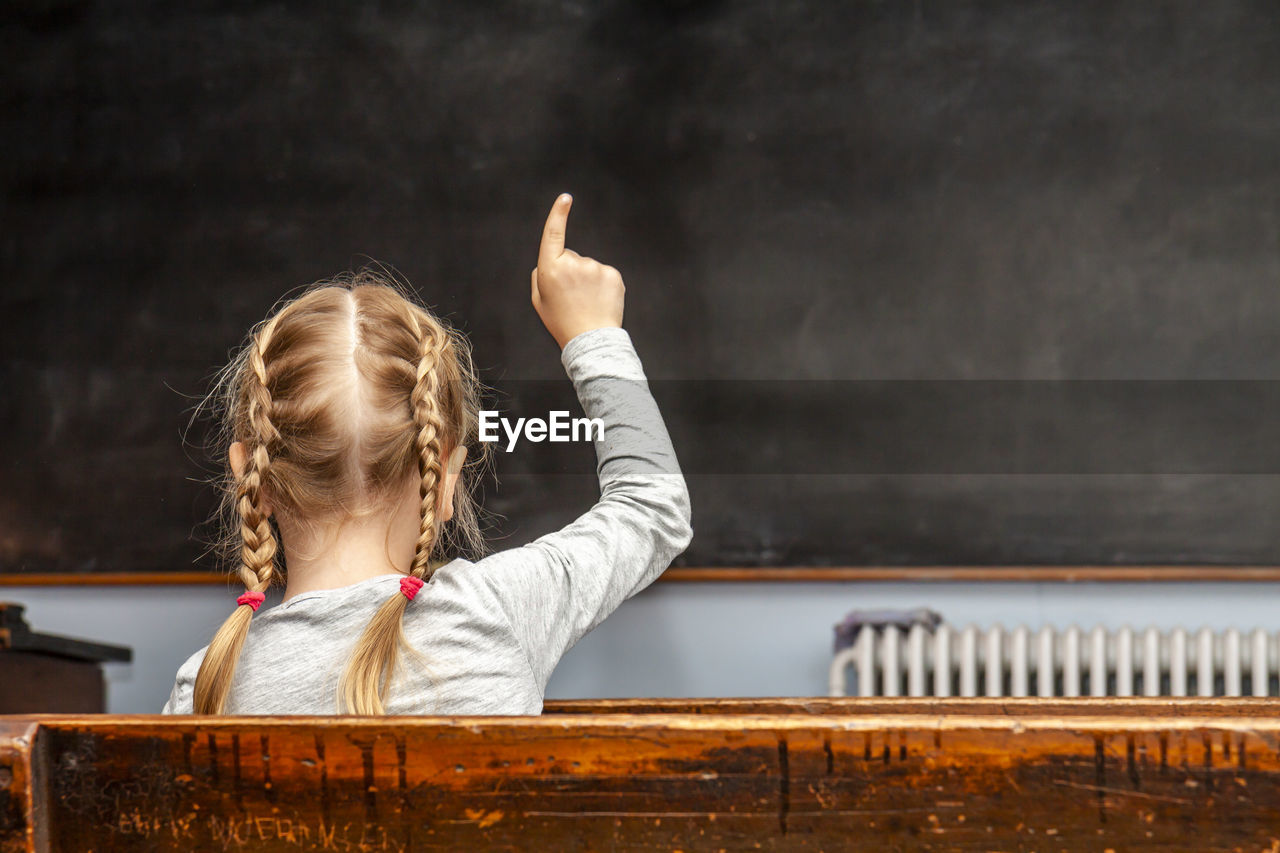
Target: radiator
[(1049, 662)]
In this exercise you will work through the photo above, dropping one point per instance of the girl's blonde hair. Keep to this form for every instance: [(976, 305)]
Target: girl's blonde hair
[(337, 397)]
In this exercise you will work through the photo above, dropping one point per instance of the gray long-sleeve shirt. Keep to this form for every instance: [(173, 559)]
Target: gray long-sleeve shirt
[(489, 633)]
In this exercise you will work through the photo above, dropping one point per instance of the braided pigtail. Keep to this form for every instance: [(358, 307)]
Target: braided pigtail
[(373, 662), (258, 540)]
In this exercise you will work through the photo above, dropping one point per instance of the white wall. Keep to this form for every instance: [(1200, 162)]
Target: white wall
[(674, 639)]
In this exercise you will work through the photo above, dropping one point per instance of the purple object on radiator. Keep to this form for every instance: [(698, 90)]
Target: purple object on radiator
[(848, 628)]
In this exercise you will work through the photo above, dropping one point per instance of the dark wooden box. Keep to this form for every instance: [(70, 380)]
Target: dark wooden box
[(44, 673)]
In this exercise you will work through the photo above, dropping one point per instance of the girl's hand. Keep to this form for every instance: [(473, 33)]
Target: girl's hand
[(573, 294)]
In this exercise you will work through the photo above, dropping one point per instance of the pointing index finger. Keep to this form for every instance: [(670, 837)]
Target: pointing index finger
[(553, 232)]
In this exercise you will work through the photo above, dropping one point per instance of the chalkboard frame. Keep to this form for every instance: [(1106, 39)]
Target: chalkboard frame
[(773, 574)]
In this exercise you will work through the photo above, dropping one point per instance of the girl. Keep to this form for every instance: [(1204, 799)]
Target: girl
[(352, 411)]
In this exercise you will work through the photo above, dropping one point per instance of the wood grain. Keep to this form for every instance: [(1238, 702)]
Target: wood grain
[(938, 775), (21, 822), (1162, 707)]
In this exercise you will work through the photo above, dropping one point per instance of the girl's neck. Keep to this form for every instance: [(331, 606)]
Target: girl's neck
[(337, 558), (339, 552)]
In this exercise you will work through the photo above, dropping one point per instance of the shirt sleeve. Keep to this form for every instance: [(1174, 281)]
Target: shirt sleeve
[(557, 588), (182, 696)]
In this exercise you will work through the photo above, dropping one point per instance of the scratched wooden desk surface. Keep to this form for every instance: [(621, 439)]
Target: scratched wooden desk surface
[(772, 774)]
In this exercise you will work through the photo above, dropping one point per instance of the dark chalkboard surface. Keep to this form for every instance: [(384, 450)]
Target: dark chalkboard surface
[(845, 229)]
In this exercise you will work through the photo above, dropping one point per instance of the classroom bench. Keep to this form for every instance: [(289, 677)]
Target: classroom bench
[(771, 774)]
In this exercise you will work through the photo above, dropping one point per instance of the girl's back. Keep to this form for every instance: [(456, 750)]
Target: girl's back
[(351, 412)]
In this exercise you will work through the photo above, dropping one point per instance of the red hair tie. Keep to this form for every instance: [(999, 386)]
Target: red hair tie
[(253, 599), (410, 586)]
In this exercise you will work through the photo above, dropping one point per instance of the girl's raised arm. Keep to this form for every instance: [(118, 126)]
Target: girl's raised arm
[(559, 587)]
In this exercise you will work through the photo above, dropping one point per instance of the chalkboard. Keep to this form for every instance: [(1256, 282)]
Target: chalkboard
[(916, 283)]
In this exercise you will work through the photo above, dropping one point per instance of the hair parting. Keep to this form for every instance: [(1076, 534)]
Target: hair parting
[(365, 683)]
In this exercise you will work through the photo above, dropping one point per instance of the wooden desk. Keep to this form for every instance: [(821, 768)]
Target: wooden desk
[(783, 774)]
